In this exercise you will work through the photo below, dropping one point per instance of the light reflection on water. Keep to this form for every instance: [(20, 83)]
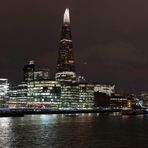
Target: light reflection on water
[(85, 130)]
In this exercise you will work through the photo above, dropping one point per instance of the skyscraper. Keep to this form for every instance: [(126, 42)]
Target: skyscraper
[(29, 71), (66, 64)]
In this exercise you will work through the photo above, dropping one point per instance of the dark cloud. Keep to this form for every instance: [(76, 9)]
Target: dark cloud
[(110, 38)]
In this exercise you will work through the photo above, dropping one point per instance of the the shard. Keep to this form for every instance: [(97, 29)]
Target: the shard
[(66, 64)]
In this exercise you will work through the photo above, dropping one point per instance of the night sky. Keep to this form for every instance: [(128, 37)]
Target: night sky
[(110, 39)]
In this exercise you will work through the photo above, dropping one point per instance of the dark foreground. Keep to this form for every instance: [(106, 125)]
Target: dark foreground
[(83, 131)]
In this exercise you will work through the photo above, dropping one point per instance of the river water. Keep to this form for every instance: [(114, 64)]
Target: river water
[(84, 131)]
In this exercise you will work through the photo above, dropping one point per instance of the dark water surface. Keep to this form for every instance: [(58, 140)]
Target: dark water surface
[(84, 131)]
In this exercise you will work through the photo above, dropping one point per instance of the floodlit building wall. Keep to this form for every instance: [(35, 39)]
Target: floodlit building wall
[(107, 89)]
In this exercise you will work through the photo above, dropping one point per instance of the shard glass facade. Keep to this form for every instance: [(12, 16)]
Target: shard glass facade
[(66, 64)]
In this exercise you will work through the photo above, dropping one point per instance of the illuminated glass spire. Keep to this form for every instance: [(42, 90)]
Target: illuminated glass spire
[(66, 63), (66, 17)]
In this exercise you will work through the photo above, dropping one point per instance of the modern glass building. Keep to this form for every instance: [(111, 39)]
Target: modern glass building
[(66, 64), (86, 96), (59, 95), (44, 94), (29, 71)]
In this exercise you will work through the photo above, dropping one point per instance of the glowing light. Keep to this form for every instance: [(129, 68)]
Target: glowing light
[(31, 62), (66, 16)]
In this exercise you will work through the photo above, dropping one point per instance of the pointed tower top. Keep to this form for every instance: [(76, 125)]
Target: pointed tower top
[(66, 16)]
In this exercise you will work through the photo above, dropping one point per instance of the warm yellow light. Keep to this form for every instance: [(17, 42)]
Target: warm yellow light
[(71, 61)]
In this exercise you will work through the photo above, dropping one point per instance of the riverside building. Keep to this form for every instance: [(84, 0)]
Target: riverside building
[(4, 86), (106, 89)]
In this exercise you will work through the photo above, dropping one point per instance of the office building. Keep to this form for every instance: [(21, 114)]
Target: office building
[(4, 87), (107, 89), (41, 74), (29, 71)]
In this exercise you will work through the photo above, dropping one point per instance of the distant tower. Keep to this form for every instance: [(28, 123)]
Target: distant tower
[(29, 71), (66, 64)]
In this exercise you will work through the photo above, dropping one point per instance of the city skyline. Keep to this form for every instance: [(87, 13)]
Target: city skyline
[(66, 62), (115, 44)]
